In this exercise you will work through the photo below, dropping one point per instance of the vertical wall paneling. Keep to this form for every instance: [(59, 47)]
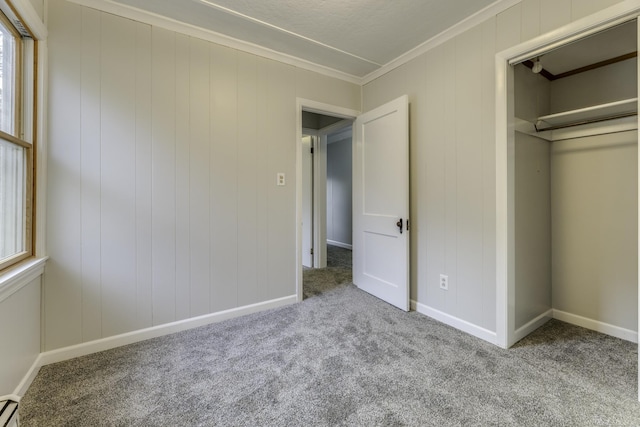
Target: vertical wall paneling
[(281, 136), (143, 185), (554, 14), (469, 183), (63, 293), (262, 177), (163, 194), (23, 343), (182, 164), (415, 89), (450, 198), (488, 132), (530, 19), (90, 172), (582, 8), (117, 172), (200, 178), (435, 213), (224, 179), (247, 178), (508, 27)]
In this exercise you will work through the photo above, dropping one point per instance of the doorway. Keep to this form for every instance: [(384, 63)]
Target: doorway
[(326, 200), (322, 196)]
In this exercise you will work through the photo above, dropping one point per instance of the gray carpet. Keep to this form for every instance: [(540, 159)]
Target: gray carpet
[(342, 357), (338, 272)]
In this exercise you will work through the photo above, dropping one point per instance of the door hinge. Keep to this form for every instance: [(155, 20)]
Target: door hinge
[(407, 224), (311, 251), (311, 150)]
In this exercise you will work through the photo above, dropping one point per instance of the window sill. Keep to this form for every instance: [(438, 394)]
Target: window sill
[(17, 277)]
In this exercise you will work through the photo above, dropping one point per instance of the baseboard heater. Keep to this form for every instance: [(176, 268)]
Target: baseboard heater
[(8, 413)]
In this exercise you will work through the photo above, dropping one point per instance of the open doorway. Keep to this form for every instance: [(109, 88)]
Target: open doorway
[(326, 147)]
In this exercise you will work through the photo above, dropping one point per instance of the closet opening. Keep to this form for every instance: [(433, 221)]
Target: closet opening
[(567, 179), (573, 173)]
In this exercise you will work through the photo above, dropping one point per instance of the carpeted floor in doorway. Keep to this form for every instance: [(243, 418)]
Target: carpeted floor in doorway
[(343, 357), (337, 272)]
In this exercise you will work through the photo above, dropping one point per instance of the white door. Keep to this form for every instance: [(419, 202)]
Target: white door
[(307, 201), (381, 202)]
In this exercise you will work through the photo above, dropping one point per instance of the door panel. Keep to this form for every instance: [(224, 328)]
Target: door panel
[(380, 200)]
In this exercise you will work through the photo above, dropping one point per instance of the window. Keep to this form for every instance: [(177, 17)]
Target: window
[(16, 154)]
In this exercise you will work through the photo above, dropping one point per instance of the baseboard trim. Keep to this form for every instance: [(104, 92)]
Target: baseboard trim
[(455, 322), (531, 326), (596, 325), (71, 352), (29, 377), (339, 244)]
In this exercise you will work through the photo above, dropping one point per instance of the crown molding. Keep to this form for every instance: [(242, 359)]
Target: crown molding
[(466, 24), (153, 19), (156, 20)]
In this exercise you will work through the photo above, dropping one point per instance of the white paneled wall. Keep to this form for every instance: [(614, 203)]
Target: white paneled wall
[(452, 95), (163, 153), (20, 336)]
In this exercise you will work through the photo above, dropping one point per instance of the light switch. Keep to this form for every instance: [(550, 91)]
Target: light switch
[(280, 179)]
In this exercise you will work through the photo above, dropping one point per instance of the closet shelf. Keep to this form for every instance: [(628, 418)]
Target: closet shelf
[(596, 113)]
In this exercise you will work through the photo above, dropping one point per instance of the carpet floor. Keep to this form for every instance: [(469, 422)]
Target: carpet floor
[(343, 357)]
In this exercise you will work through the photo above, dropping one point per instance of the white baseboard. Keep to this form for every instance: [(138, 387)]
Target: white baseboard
[(90, 347), (339, 244), (455, 322), (29, 377), (596, 325), (531, 326)]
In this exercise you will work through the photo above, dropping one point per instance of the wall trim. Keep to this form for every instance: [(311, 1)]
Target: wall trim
[(462, 325), (596, 325), (20, 276), (339, 244), (78, 350), (156, 20), (533, 325)]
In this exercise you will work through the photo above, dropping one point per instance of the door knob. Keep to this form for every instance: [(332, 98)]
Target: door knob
[(399, 225)]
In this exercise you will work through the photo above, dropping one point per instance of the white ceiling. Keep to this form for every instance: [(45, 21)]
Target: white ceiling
[(611, 43), (356, 37)]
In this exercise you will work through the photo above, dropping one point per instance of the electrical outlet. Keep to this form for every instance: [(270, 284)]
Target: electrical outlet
[(444, 282)]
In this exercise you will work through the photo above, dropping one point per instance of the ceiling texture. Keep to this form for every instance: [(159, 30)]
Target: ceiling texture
[(354, 37)]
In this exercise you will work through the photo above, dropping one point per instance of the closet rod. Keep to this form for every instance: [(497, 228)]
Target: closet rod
[(587, 115), (583, 122)]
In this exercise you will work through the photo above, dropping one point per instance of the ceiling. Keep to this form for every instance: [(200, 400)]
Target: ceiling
[(356, 37), (604, 46)]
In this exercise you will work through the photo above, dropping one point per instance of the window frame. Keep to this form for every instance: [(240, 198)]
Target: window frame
[(22, 119)]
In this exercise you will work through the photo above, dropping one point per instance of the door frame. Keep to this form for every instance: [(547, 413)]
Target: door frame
[(319, 108), (505, 135)]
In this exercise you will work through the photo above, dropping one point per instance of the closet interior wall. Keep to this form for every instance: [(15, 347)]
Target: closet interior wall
[(575, 204)]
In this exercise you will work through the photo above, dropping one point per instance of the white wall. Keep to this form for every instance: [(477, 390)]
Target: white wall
[(452, 95), (339, 206), (38, 6), (163, 154), (532, 201), (19, 335), (532, 228), (594, 192)]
